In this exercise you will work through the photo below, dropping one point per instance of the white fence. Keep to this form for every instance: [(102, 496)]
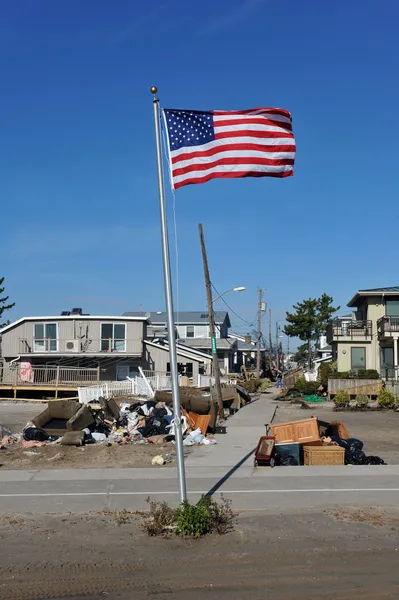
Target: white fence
[(140, 386)]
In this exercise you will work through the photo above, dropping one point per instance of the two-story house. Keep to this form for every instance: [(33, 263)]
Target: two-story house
[(192, 332), (83, 348), (368, 340)]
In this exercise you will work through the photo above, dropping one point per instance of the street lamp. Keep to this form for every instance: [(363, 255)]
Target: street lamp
[(236, 289)]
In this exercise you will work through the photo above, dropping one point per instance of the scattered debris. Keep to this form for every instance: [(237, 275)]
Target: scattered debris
[(158, 460), (312, 442)]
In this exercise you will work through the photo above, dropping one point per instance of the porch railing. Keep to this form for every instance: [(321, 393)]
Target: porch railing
[(388, 325), (47, 375), (390, 373), (351, 330)]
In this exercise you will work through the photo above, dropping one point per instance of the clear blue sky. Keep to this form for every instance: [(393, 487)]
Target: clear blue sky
[(79, 206)]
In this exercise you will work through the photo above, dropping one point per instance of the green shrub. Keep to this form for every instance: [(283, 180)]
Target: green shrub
[(252, 385), (341, 398), (188, 520), (362, 400), (385, 399), (306, 387), (193, 520), (196, 520), (360, 374)]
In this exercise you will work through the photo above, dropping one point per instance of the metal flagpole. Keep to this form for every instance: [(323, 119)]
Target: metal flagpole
[(169, 308)]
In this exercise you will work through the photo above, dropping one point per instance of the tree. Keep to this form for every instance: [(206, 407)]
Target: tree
[(3, 305), (310, 320), (301, 355)]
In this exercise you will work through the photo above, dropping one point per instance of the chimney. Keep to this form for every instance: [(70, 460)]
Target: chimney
[(248, 338)]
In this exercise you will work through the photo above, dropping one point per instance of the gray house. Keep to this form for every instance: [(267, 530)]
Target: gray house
[(192, 332), (111, 344), (81, 348)]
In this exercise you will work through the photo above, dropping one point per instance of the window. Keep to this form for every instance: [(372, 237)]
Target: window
[(358, 358), (392, 308), (113, 337), (45, 335), (387, 357), (190, 331)]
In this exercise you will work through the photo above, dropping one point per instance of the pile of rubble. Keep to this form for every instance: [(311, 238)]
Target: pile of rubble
[(108, 421), (311, 442)]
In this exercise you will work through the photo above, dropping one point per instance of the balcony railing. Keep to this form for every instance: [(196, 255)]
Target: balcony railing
[(79, 346), (387, 326), (339, 330), (47, 375), (390, 373)]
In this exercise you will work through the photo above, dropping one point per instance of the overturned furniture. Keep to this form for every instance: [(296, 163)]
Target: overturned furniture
[(192, 400), (305, 431), (61, 416)]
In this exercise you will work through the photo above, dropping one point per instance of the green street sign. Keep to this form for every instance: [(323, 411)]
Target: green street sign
[(213, 338)]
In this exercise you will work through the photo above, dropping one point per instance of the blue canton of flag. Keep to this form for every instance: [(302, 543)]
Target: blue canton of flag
[(189, 128)]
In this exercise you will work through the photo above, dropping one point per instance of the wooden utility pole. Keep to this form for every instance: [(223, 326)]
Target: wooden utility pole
[(277, 352), (270, 342), (260, 294), (211, 324)]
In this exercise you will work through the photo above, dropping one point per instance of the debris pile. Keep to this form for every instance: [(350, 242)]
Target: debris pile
[(108, 421), (312, 442)]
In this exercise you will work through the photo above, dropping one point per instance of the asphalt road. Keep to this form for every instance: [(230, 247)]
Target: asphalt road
[(81, 491)]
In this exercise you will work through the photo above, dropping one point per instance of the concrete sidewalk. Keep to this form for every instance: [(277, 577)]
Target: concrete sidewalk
[(244, 429)]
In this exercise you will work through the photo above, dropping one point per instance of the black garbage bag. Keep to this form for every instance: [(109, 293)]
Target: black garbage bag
[(287, 460), (159, 413), (355, 457), (374, 460), (354, 444), (101, 427), (32, 434), (88, 438), (340, 441), (122, 421)]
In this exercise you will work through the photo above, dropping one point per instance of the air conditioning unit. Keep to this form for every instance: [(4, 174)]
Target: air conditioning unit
[(72, 345)]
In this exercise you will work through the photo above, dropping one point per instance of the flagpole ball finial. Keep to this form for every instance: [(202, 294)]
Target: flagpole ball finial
[(153, 89)]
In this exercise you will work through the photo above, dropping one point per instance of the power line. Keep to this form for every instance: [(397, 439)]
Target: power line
[(233, 311)]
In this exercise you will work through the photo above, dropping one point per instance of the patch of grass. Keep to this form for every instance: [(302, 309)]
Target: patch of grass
[(188, 520)]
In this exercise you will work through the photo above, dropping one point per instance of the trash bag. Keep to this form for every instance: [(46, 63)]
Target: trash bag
[(374, 460), (354, 444), (287, 460), (340, 441), (159, 413), (31, 434), (99, 437), (123, 420), (355, 457)]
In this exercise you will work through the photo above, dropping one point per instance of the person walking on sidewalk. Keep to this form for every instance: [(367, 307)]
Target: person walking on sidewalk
[(279, 379)]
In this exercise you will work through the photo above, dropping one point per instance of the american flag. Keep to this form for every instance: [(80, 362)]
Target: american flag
[(240, 143)]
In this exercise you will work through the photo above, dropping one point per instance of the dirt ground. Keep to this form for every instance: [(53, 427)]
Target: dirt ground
[(379, 431), (16, 415), (93, 456), (301, 555)]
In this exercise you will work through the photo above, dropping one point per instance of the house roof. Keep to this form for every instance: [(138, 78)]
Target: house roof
[(326, 348), (74, 318), (183, 317), (383, 291), (221, 343), (181, 351)]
